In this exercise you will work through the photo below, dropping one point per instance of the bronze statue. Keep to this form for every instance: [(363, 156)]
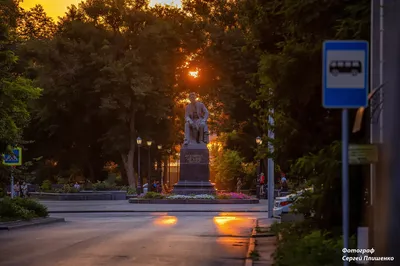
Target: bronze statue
[(196, 115)]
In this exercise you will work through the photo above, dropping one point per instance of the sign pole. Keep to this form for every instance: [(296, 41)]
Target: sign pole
[(345, 86), (12, 183), (345, 180)]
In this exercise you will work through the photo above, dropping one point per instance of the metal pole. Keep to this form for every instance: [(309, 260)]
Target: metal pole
[(169, 169), (387, 229), (139, 181), (149, 175), (271, 165), (258, 180), (345, 180), (177, 170), (12, 184)]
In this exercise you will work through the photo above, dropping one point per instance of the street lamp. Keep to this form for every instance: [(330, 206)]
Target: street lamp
[(139, 186), (259, 142), (159, 147), (149, 142), (169, 166), (177, 166)]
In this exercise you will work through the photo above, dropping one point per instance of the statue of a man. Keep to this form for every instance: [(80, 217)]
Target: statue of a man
[(196, 115)]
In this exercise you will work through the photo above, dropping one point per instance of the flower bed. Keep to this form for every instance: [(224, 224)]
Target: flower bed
[(219, 196), (233, 195), (203, 196)]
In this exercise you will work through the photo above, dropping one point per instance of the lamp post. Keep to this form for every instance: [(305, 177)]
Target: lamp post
[(259, 142), (149, 142), (177, 166), (169, 166), (159, 147), (139, 186)]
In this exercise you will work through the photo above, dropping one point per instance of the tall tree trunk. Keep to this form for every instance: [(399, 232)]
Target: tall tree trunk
[(165, 171), (128, 159)]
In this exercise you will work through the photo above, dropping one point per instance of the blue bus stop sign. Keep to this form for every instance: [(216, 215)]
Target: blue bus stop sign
[(345, 74)]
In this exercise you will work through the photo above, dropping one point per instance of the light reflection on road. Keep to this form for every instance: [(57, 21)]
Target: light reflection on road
[(229, 224), (165, 220)]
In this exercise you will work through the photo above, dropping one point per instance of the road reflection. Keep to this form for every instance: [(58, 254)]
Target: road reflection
[(166, 220), (230, 224), (232, 228)]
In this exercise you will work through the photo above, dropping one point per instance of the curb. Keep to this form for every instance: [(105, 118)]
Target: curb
[(194, 201), (35, 222), (252, 246), (148, 211)]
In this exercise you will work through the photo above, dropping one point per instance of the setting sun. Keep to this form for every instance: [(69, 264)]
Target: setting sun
[(194, 74)]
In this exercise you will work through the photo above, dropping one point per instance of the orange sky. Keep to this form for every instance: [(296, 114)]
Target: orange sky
[(56, 8)]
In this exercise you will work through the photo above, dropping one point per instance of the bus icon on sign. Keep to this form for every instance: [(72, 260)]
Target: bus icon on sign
[(352, 67)]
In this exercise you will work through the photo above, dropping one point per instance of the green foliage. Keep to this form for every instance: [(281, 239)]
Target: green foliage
[(227, 165), (322, 170), (129, 190), (67, 188), (46, 186), (10, 211), (16, 92), (153, 195), (21, 209), (103, 186), (223, 196), (32, 205), (300, 244)]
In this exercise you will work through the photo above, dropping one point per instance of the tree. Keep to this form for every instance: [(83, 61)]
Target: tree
[(111, 66), (227, 68), (15, 91), (229, 165), (35, 24)]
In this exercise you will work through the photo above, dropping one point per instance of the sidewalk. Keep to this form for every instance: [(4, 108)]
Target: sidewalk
[(34, 222), (125, 206), (262, 244)]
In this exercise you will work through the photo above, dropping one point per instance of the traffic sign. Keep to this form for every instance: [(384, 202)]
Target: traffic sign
[(13, 159), (345, 74), (363, 153)]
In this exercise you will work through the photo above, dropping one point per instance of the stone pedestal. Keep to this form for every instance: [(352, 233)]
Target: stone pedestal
[(194, 175)]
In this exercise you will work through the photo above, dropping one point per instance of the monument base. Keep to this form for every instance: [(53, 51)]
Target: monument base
[(194, 188), (194, 171)]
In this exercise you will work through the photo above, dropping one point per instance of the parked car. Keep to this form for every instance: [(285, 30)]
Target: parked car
[(285, 204)]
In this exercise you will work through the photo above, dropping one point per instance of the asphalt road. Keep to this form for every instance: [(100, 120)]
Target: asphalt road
[(134, 239), (125, 206)]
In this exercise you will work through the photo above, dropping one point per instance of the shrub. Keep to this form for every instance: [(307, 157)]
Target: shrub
[(103, 186), (153, 195), (232, 195), (10, 211), (223, 196), (299, 244), (32, 205), (69, 189), (46, 186)]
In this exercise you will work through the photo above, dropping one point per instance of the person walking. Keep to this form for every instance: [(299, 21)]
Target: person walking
[(17, 189), (284, 185), (239, 185), (24, 190)]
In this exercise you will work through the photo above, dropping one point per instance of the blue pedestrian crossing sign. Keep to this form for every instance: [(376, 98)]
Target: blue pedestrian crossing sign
[(14, 158)]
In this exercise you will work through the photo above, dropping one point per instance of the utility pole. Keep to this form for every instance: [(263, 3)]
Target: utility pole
[(376, 105), (386, 204)]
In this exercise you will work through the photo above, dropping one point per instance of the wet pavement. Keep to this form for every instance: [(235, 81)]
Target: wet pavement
[(139, 239)]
